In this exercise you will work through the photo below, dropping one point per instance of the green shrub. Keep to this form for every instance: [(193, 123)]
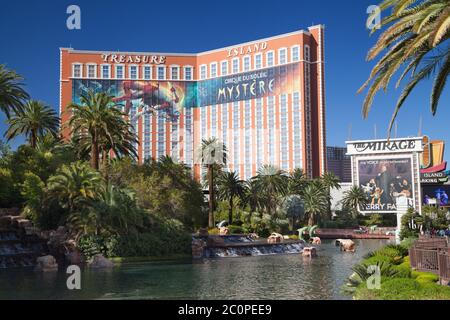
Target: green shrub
[(92, 245), (403, 270), (236, 229), (376, 259)]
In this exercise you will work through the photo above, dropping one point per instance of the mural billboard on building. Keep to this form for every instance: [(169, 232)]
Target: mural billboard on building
[(138, 97), (383, 181), (170, 97), (436, 195)]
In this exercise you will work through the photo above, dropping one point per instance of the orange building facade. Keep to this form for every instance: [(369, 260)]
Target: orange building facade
[(264, 99)]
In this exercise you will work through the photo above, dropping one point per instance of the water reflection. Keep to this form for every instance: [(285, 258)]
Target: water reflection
[(261, 277)]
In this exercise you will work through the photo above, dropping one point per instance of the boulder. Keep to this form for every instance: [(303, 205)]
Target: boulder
[(223, 231), (198, 248), (72, 254), (309, 252), (100, 262), (46, 263), (253, 236), (346, 245), (316, 240), (203, 232), (275, 238)]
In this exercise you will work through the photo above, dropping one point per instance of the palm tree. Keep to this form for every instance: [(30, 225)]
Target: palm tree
[(272, 185), (314, 201), (212, 153), (74, 184), (416, 45), (99, 127), (35, 120), (297, 181), (12, 95), (252, 198), (229, 187), (353, 199), (330, 181)]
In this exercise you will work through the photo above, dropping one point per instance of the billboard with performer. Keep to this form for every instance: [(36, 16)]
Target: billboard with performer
[(436, 195), (383, 181), (170, 97)]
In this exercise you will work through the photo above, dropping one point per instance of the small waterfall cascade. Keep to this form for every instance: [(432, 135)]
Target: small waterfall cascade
[(19, 246), (242, 245)]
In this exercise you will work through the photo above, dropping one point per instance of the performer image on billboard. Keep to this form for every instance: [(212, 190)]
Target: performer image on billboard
[(384, 181), (152, 97)]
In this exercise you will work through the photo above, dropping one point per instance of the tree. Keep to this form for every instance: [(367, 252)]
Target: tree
[(416, 45), (34, 121), (294, 208), (315, 202), (252, 198), (75, 183), (330, 181), (98, 127), (212, 153), (272, 184), (297, 181), (229, 187), (353, 199), (12, 95)]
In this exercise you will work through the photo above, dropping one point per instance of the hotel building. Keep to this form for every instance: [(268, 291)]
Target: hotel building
[(264, 99)]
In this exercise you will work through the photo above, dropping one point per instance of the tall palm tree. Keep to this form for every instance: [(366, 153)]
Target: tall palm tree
[(272, 185), (297, 181), (212, 153), (35, 120), (98, 125), (416, 43), (330, 181), (229, 187), (315, 202), (353, 199), (252, 198), (12, 95)]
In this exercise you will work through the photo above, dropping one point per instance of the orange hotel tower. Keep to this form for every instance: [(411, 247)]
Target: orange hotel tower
[(264, 99)]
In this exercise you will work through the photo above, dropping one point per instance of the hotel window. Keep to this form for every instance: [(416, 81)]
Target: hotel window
[(213, 69), (282, 56), (119, 72), (235, 65), (92, 71), (174, 73), (224, 68), (269, 58), (258, 61), (203, 70), (147, 72), (307, 53), (246, 63), (187, 73), (76, 71), (161, 72), (133, 70), (295, 53), (105, 71)]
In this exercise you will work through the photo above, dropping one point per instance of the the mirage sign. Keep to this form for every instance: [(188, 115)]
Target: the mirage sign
[(384, 146)]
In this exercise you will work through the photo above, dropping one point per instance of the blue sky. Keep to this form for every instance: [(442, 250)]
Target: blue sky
[(31, 33)]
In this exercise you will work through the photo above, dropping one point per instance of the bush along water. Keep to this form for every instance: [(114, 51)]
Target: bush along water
[(397, 282)]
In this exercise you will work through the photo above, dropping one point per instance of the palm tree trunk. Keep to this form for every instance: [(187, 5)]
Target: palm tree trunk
[(211, 197), (311, 220), (94, 155), (33, 139), (230, 211)]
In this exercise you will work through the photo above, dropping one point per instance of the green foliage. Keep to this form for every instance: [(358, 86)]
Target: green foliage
[(7, 188), (236, 229), (90, 245), (34, 120)]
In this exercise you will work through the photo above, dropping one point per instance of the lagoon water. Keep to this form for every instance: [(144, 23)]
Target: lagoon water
[(287, 276)]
